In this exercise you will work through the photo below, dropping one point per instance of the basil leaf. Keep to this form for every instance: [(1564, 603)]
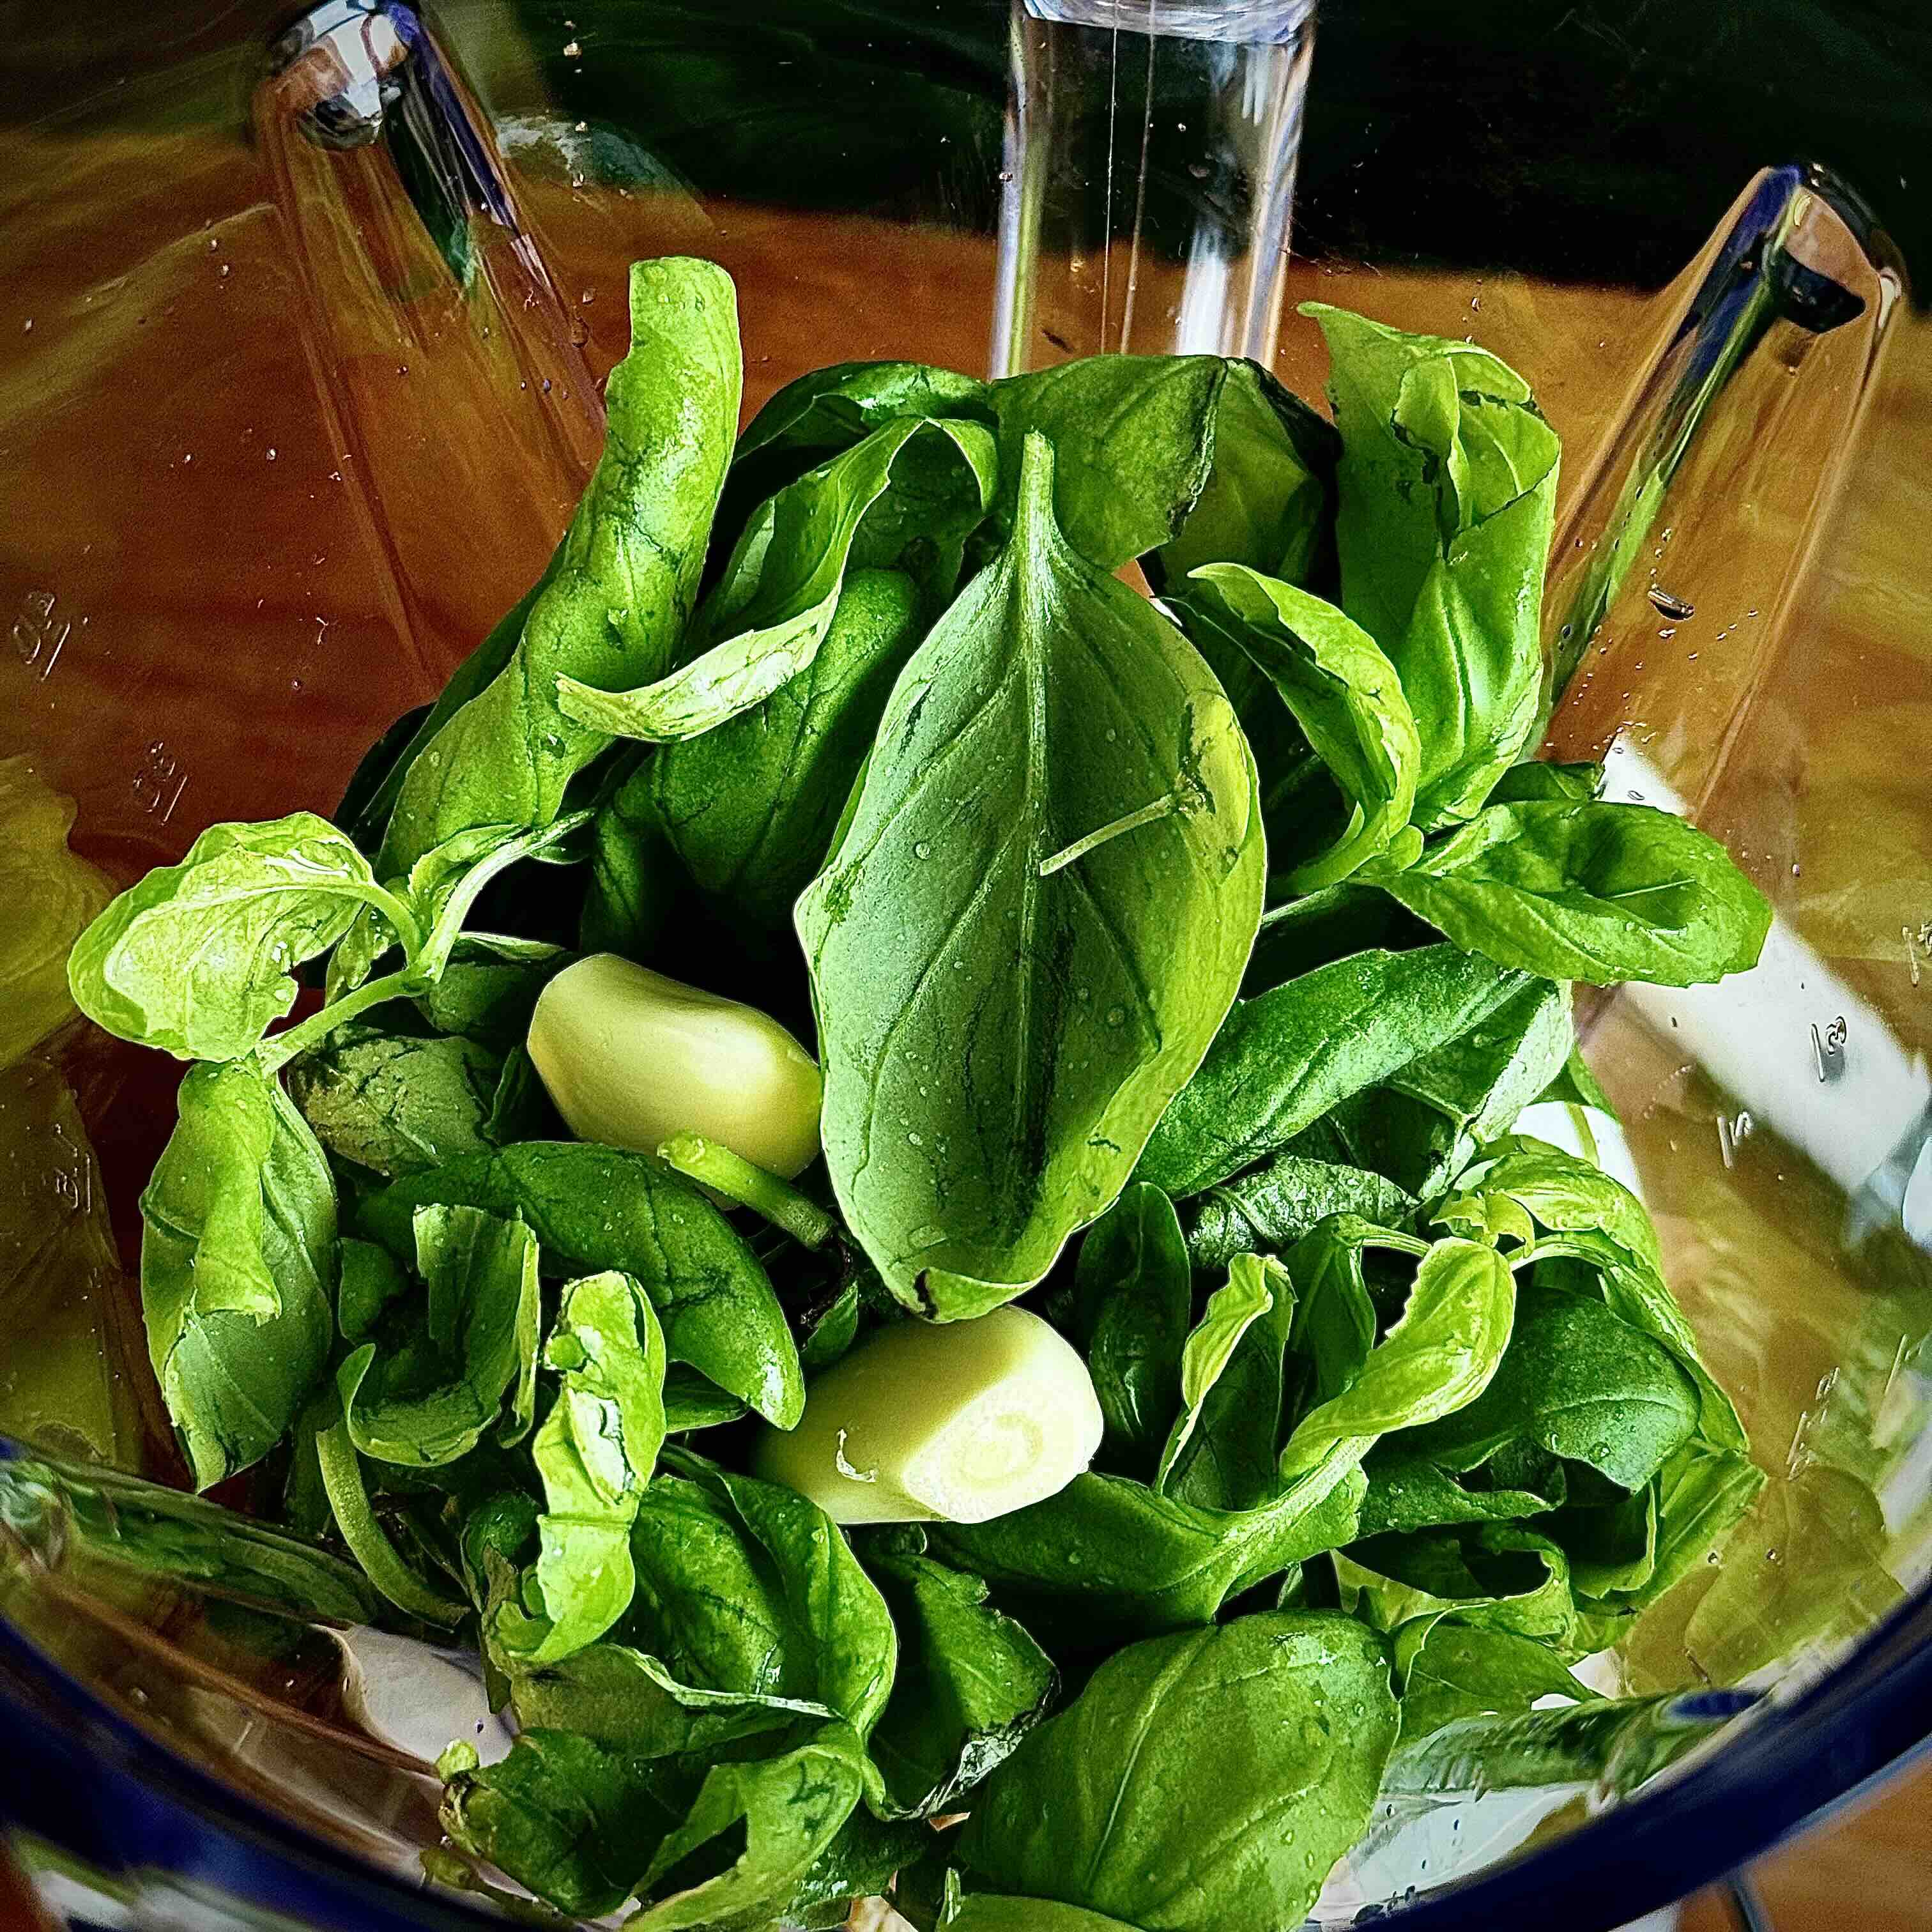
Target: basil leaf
[(490, 986), (596, 1209), (1446, 1669), (1269, 500), (1483, 1078), (1580, 1383), (1138, 438), (434, 1393), (1133, 1296), (1249, 1293), (1605, 1225), (1412, 1145), (786, 1812), (1227, 1461), (1270, 1208), (197, 958), (749, 1588), (1691, 1505), (750, 808), (831, 409), (575, 1822), (594, 1454), (616, 597), (1539, 778), (1282, 1060), (370, 1280), (1446, 495), (632, 894), (1107, 1559), (238, 1267), (396, 1103), (1438, 1358), (1493, 1575), (969, 1686), (1276, 1727), (910, 493), (1598, 892), (1036, 1065), (998, 1912), (1334, 1327), (1407, 1491), (1343, 692)]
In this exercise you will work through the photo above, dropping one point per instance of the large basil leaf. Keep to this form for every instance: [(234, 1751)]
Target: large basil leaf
[(970, 1684), (238, 1267), (1133, 1295), (1343, 692), (1107, 1559), (908, 495), (1202, 1782), (424, 1396), (1446, 496), (1577, 1383), (616, 598), (1598, 892), (989, 1092), (1254, 1288), (1138, 442), (1447, 1669), (1272, 1207), (596, 1209), (750, 808), (1452, 1338), (198, 958), (1282, 1059), (396, 1103), (748, 1588), (594, 1454)]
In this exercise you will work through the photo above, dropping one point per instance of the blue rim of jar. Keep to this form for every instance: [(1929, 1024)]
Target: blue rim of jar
[(82, 1775)]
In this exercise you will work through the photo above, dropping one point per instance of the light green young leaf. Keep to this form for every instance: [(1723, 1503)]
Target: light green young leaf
[(1283, 1059), (433, 1395), (764, 625), (594, 1454), (238, 1267), (1344, 695), (197, 958), (1051, 1051), (612, 605), (1250, 1291), (1446, 493), (1598, 892), (1202, 1782), (1437, 1360)]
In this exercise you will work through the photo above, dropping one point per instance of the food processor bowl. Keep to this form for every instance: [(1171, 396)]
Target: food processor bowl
[(301, 343)]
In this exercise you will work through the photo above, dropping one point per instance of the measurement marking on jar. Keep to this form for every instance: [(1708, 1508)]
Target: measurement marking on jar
[(39, 635), (1918, 947), (159, 782), (1829, 1051), (1732, 1133)]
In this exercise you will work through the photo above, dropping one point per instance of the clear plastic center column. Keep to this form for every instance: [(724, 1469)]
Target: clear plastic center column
[(1149, 177)]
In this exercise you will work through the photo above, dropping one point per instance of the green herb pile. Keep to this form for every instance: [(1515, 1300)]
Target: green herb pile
[(1182, 965)]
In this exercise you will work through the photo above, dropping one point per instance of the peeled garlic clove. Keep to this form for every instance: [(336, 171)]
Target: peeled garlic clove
[(952, 1423), (632, 1057)]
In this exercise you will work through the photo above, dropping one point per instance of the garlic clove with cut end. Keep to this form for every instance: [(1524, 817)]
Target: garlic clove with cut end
[(632, 1057), (957, 1422)]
